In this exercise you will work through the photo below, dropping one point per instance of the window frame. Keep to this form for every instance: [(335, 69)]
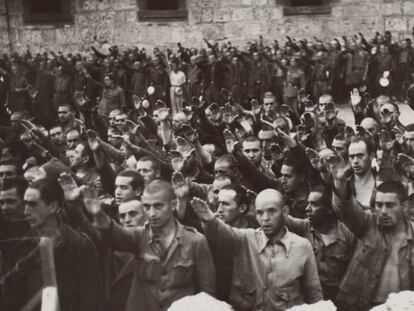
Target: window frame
[(145, 15), (48, 18)]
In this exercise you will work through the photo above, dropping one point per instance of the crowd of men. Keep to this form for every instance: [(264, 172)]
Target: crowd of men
[(223, 170)]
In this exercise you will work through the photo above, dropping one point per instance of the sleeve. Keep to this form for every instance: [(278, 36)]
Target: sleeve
[(90, 279), (350, 212), (310, 282), (225, 236), (121, 239), (205, 274), (296, 225)]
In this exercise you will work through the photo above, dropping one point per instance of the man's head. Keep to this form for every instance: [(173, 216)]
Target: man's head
[(271, 211), (131, 214), (232, 203), (109, 80), (269, 104), (219, 183), (26, 138), (149, 168), (319, 206), (391, 204), (158, 203), (128, 186), (73, 138), (340, 145), (252, 150), (112, 117), (80, 156), (389, 113), (371, 126), (324, 100), (57, 137), (360, 154), (11, 197), (266, 137), (226, 166), (214, 114), (42, 199), (121, 122), (65, 113), (8, 169), (291, 175), (115, 137)]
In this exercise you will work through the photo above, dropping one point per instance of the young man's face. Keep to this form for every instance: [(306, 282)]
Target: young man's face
[(131, 214), (252, 150), (339, 146), (409, 139), (11, 204), (63, 113), (37, 212), (214, 190), (228, 210), (57, 136), (72, 139), (123, 189), (359, 158), (147, 172), (158, 208), (289, 178), (76, 157), (390, 209), (7, 171), (315, 210)]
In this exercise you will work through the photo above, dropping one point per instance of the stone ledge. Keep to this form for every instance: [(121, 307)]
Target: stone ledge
[(307, 10), (162, 15)]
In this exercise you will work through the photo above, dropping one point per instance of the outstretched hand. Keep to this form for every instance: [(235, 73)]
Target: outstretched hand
[(230, 139), (181, 185), (202, 210), (91, 200), (70, 189)]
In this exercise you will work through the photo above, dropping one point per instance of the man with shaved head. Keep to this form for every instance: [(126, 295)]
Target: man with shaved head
[(172, 260), (273, 269)]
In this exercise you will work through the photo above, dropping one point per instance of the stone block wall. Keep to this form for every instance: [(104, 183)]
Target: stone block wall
[(235, 20)]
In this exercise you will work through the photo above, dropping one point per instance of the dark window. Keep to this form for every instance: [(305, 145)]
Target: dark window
[(306, 7), (162, 10), (47, 11), (162, 5), (306, 2)]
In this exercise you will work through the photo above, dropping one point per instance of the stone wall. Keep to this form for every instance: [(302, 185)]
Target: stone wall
[(235, 20)]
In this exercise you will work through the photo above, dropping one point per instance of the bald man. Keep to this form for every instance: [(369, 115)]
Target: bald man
[(172, 260), (274, 269)]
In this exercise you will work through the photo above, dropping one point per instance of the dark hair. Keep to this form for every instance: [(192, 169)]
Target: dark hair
[(18, 183), (241, 194), (339, 136), (14, 163), (251, 138), (156, 166), (87, 152), (392, 186), (368, 144), (326, 192), (49, 189), (137, 180), (409, 127), (291, 161)]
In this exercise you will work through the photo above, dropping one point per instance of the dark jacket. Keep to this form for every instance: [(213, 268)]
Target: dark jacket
[(77, 272)]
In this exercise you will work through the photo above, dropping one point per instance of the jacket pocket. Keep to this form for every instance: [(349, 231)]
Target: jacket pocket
[(287, 297), (243, 295), (183, 273)]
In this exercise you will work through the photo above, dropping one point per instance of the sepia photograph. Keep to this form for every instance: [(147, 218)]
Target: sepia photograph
[(206, 155)]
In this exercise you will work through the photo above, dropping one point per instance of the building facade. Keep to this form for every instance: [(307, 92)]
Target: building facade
[(72, 25)]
